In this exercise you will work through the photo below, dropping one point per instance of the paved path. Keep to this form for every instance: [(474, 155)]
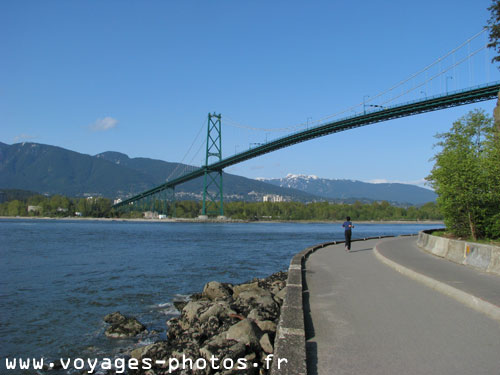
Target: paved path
[(404, 251), (363, 317)]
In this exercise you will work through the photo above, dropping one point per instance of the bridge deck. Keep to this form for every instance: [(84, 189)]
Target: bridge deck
[(363, 317), (451, 99)]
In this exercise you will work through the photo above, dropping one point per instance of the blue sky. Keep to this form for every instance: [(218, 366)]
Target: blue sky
[(139, 77)]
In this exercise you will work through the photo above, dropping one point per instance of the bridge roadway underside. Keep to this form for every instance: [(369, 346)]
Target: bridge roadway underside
[(363, 317), (453, 99)]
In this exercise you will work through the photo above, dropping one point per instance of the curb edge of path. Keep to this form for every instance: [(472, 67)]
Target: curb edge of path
[(468, 299)]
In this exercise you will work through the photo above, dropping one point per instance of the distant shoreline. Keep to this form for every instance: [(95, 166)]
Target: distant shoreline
[(186, 220)]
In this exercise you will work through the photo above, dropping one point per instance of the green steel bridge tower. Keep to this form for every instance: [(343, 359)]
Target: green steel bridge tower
[(212, 185)]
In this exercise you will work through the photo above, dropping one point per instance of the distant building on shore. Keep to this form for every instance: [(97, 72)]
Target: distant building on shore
[(150, 215), (272, 198)]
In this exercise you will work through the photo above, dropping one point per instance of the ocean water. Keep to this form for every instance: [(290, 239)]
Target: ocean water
[(58, 278)]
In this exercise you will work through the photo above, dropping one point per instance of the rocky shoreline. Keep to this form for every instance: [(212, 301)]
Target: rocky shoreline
[(226, 329)]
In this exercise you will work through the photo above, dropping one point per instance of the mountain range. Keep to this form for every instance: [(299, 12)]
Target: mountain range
[(348, 189), (55, 170)]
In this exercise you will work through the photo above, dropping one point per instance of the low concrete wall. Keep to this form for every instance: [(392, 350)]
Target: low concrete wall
[(290, 341), (483, 257)]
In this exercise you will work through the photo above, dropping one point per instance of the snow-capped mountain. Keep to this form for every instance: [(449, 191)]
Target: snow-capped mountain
[(348, 189)]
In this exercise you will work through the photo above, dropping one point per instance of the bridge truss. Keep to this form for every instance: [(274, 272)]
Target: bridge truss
[(429, 104)]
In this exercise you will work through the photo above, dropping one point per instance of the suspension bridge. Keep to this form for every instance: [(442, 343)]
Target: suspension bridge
[(162, 198)]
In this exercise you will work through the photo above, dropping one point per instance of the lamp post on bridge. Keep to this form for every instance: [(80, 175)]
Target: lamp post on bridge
[(364, 103), (447, 83)]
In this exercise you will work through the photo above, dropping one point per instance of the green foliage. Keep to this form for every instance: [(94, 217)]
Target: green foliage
[(188, 209), (466, 177), (323, 211), (94, 207), (15, 208), (129, 215), (12, 194), (492, 172), (57, 206), (328, 211), (494, 29), (445, 234), (319, 211)]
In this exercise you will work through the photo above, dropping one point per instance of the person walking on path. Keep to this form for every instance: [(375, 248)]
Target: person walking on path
[(348, 233)]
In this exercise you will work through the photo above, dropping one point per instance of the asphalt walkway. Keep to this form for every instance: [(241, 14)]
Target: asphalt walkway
[(364, 317), (404, 251)]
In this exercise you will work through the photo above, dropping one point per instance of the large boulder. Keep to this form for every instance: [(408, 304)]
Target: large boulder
[(274, 282), (277, 286), (266, 326), (122, 326), (280, 296), (192, 311), (179, 305), (245, 332), (237, 289), (140, 352), (200, 320), (114, 318), (221, 349), (215, 290), (260, 300), (220, 309), (265, 344)]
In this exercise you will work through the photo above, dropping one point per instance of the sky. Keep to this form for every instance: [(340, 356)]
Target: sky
[(140, 77)]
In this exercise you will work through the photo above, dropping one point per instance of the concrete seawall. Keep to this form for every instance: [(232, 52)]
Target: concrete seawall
[(480, 256), (290, 342)]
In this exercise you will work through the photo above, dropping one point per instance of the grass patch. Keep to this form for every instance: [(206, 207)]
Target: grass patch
[(486, 241)]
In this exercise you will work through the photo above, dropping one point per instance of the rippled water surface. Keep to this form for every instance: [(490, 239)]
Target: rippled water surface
[(58, 278)]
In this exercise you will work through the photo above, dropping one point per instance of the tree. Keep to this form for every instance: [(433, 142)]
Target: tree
[(464, 176), (15, 208), (494, 29), (492, 169)]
